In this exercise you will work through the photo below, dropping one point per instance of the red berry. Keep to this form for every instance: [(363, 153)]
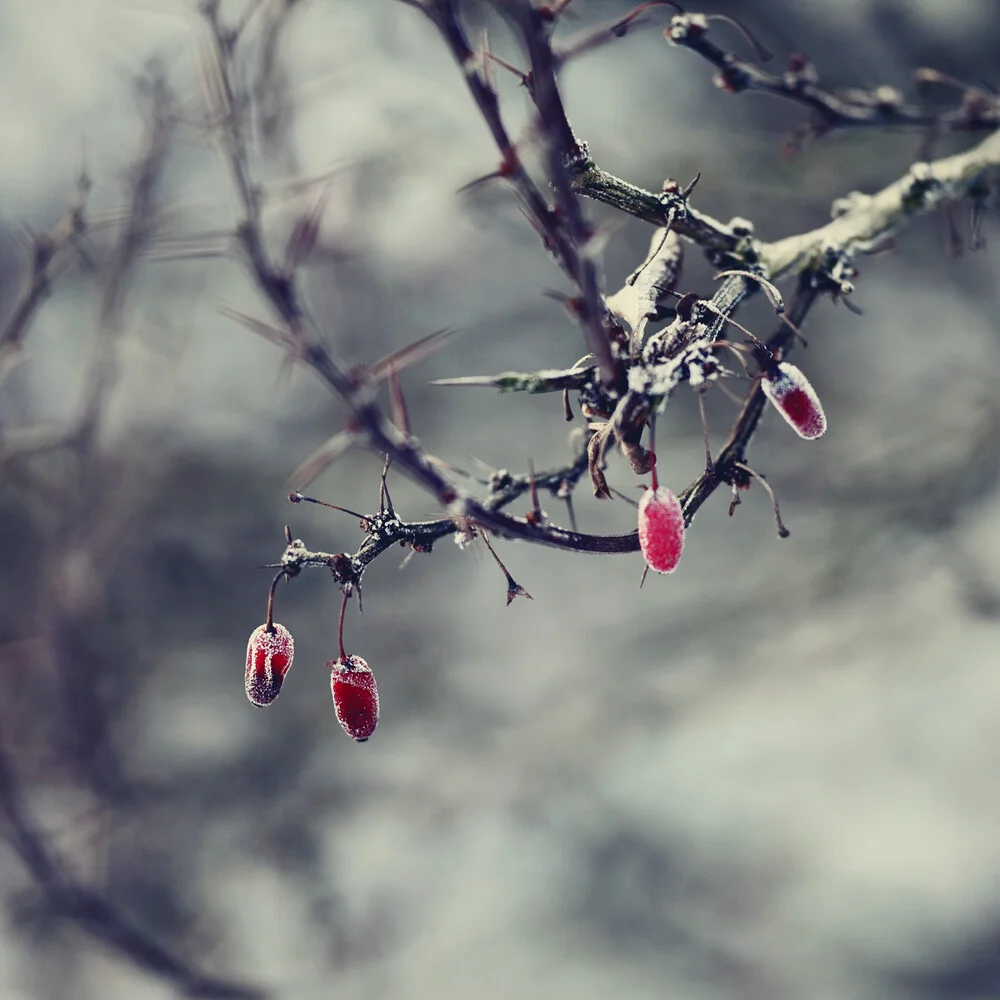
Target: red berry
[(355, 696), (661, 529), (795, 399), (269, 657)]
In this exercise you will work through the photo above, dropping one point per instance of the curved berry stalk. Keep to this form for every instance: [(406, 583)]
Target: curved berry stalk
[(661, 523), (795, 399), (269, 657), (355, 694)]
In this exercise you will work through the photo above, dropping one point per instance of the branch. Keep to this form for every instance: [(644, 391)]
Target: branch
[(386, 529), (45, 251), (91, 912), (659, 209), (863, 223), (281, 290), (139, 217), (564, 231), (883, 106), (734, 450)]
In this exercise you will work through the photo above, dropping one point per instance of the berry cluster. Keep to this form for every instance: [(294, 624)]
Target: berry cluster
[(352, 683), (661, 516)]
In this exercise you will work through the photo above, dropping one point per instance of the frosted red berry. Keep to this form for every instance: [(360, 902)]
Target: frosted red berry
[(355, 696), (795, 399), (661, 529), (269, 657)]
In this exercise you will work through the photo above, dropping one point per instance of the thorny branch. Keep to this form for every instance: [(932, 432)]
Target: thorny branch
[(822, 259), (45, 252), (882, 106), (65, 896), (82, 532)]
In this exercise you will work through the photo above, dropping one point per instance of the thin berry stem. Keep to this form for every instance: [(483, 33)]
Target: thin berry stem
[(340, 625), (652, 451), (269, 624)]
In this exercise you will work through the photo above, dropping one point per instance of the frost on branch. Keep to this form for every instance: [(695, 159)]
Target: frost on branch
[(643, 297)]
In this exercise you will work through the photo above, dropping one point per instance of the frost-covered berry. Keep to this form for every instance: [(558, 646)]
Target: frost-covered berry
[(355, 696), (269, 657), (795, 399), (661, 529)]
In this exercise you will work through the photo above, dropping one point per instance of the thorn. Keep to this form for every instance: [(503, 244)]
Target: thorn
[(633, 277), (448, 466), (514, 589), (525, 78), (571, 512), (644, 572), (288, 535), (762, 53), (493, 175), (976, 241), (409, 354), (953, 240), (652, 450), (627, 499), (709, 464), (400, 414), (384, 500), (694, 183), (567, 410), (783, 532), (484, 51), (536, 515), (297, 497)]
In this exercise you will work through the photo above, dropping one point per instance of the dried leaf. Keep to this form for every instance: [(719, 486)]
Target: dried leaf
[(597, 449)]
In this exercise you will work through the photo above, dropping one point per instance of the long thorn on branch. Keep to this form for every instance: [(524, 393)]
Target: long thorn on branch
[(514, 589)]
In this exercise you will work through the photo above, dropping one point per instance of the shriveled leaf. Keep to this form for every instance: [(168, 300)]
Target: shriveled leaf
[(597, 449)]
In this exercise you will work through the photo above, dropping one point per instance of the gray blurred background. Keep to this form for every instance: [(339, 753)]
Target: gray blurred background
[(775, 773)]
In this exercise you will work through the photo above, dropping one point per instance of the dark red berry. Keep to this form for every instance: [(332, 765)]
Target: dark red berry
[(355, 696), (269, 657), (795, 399), (661, 529)]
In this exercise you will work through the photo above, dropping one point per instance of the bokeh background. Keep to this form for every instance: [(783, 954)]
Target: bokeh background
[(775, 773)]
